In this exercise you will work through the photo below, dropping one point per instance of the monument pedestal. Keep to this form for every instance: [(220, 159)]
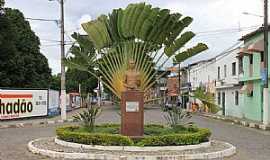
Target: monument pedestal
[(132, 114)]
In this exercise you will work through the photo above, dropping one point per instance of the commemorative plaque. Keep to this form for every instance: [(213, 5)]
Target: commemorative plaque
[(132, 106)]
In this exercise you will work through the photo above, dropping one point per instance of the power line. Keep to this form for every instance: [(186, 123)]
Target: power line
[(221, 55), (225, 32), (51, 45), (45, 20), (229, 29), (52, 40)]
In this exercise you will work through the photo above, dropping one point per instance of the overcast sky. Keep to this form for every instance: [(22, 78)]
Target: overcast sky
[(209, 16)]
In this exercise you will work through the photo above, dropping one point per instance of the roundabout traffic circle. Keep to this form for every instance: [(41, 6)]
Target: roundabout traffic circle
[(56, 148)]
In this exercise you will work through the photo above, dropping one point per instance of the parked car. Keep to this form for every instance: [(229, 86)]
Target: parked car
[(170, 105)]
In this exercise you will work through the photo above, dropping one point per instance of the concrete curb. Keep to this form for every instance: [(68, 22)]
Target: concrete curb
[(53, 154), (238, 122), (29, 124), (131, 148)]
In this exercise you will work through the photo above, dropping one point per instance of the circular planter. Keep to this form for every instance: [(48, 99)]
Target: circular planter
[(106, 154), (131, 148)]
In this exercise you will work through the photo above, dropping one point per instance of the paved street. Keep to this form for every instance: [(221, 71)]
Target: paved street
[(251, 144)]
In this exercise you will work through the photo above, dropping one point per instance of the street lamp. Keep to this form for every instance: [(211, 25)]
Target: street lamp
[(63, 76), (252, 14)]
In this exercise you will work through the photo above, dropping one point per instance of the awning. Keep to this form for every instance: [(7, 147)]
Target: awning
[(243, 51), (257, 46)]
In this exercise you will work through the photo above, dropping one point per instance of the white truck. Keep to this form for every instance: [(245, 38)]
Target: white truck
[(23, 103)]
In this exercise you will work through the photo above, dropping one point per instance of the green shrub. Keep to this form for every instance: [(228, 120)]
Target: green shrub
[(155, 130), (176, 139), (177, 117), (68, 134), (155, 135), (108, 125), (88, 117), (154, 125)]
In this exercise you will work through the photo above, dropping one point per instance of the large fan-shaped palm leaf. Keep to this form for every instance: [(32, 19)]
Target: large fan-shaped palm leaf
[(149, 36)]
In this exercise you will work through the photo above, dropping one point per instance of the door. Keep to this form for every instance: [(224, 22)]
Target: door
[(223, 103), (261, 103)]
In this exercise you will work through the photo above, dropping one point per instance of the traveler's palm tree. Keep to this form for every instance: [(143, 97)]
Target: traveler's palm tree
[(149, 36), (84, 54)]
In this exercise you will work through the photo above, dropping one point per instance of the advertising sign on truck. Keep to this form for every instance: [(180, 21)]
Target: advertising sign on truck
[(23, 103)]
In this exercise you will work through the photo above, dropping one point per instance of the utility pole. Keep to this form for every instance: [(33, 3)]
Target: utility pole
[(80, 92), (99, 91), (63, 76), (265, 86), (179, 83)]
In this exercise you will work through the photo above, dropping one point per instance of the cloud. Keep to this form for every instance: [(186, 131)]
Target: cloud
[(84, 18), (208, 15)]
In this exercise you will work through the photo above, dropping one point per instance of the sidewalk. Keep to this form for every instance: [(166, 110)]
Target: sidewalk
[(238, 121), (16, 123)]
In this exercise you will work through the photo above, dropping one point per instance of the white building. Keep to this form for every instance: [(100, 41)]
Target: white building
[(227, 83), (220, 76), (202, 73)]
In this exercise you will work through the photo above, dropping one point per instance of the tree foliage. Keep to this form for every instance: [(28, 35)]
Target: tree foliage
[(56, 82), (2, 3), (73, 79), (149, 36), (82, 52), (21, 63)]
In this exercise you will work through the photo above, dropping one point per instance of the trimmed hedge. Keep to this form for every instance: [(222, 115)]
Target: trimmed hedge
[(194, 136), (68, 134), (202, 135)]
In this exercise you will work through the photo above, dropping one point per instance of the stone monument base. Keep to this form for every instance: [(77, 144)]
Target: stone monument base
[(132, 114)]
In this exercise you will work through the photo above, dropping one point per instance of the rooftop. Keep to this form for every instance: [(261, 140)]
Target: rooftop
[(251, 34)]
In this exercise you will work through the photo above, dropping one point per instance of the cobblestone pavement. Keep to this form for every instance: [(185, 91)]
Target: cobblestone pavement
[(251, 144)]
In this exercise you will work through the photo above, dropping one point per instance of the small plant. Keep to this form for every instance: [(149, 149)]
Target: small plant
[(207, 99), (88, 117), (177, 118)]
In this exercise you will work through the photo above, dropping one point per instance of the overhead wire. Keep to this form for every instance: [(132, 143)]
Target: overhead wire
[(228, 29), (222, 54)]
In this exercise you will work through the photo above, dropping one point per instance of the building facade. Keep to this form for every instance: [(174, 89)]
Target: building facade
[(227, 83), (234, 77), (219, 76), (253, 61)]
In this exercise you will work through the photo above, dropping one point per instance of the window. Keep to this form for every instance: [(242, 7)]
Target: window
[(251, 59), (225, 71), (218, 72), (236, 97), (218, 97), (262, 57), (233, 68), (240, 65)]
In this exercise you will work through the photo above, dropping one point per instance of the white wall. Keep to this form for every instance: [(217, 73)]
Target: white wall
[(231, 109), (206, 73), (227, 59), (228, 84), (202, 73)]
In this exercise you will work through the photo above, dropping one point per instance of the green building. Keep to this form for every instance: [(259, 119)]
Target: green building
[(251, 63)]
